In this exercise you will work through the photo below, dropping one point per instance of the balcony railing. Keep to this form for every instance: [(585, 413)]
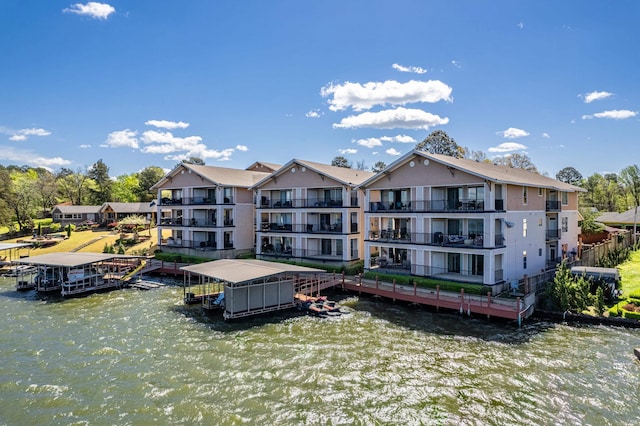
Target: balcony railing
[(432, 239), (553, 206), (180, 243), (193, 201), (302, 228), (301, 253), (188, 222), (553, 234), (427, 206), (303, 203)]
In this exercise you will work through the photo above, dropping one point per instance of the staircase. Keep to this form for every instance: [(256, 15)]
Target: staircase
[(81, 246)]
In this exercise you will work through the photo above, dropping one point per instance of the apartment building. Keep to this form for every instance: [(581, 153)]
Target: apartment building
[(458, 219), (308, 211), (208, 210)]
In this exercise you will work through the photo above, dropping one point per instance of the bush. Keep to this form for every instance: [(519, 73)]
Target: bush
[(635, 294), (631, 315)]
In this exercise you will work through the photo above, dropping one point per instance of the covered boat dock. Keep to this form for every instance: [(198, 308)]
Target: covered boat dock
[(244, 287), (78, 273)]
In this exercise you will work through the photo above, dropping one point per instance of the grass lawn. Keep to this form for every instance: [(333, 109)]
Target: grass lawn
[(99, 238), (630, 274)]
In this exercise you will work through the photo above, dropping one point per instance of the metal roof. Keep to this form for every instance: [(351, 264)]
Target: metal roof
[(67, 259), (10, 246), (240, 270)]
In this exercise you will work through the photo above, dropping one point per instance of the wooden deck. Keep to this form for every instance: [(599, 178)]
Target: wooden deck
[(517, 308)]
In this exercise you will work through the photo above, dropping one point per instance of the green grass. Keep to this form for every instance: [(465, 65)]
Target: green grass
[(630, 274)]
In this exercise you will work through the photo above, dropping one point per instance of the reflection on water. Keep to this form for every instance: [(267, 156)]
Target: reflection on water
[(134, 357)]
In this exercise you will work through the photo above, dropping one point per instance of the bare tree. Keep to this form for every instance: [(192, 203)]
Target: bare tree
[(630, 177)]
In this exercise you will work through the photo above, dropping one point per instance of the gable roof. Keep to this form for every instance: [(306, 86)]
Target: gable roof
[(221, 176), (615, 218), (71, 209), (132, 208), (343, 175), (498, 174), (263, 164)]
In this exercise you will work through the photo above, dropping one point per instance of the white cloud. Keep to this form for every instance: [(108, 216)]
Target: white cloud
[(398, 138), (402, 68), (191, 146), (348, 151), (456, 64), (313, 114), (92, 9), (369, 142), (85, 146), (508, 147), (361, 97), (201, 151), (28, 157), (122, 138), (243, 148), (546, 135), (393, 151), (394, 118), (170, 125), (513, 133), (520, 25), (23, 134), (35, 132), (595, 96), (613, 114)]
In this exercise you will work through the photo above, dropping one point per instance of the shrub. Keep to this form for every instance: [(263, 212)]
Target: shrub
[(631, 315), (635, 294)]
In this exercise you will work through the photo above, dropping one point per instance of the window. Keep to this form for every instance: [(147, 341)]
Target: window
[(524, 227), (539, 192), (524, 195), (338, 247), (565, 198), (540, 222), (565, 224), (524, 259), (539, 252)]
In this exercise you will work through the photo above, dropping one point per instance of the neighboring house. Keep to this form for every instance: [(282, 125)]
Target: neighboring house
[(66, 214), (311, 212), (624, 220), (209, 210), (114, 211), (457, 219)]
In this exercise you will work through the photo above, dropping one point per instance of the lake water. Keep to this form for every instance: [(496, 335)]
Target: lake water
[(139, 357)]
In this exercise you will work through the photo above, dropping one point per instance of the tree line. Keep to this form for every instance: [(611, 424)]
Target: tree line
[(28, 193)]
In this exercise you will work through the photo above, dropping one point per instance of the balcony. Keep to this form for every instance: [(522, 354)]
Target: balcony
[(270, 251), (193, 222), (166, 201), (198, 201), (553, 234), (302, 228), (553, 206), (180, 243), (302, 203), (427, 206)]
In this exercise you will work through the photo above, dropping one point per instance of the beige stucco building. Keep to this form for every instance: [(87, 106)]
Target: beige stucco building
[(209, 210), (458, 219), (310, 212)]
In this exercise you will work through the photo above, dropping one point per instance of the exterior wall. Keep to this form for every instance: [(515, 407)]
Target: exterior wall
[(534, 244), (303, 236), (433, 174), (514, 199)]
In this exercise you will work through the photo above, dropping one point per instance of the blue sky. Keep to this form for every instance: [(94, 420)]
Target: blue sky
[(149, 82)]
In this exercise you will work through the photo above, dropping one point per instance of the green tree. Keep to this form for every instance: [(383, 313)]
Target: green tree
[(569, 175), (5, 191), (22, 197), (99, 173), (604, 193), (588, 225), (341, 161), (72, 186), (47, 190), (569, 292), (630, 177), (148, 177), (439, 142), (125, 188), (194, 160), (516, 161), (378, 167)]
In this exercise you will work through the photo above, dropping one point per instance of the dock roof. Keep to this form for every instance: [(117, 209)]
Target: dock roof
[(242, 270), (11, 246), (67, 259)]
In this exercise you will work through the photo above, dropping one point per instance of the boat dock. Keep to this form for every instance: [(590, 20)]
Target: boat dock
[(74, 274)]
